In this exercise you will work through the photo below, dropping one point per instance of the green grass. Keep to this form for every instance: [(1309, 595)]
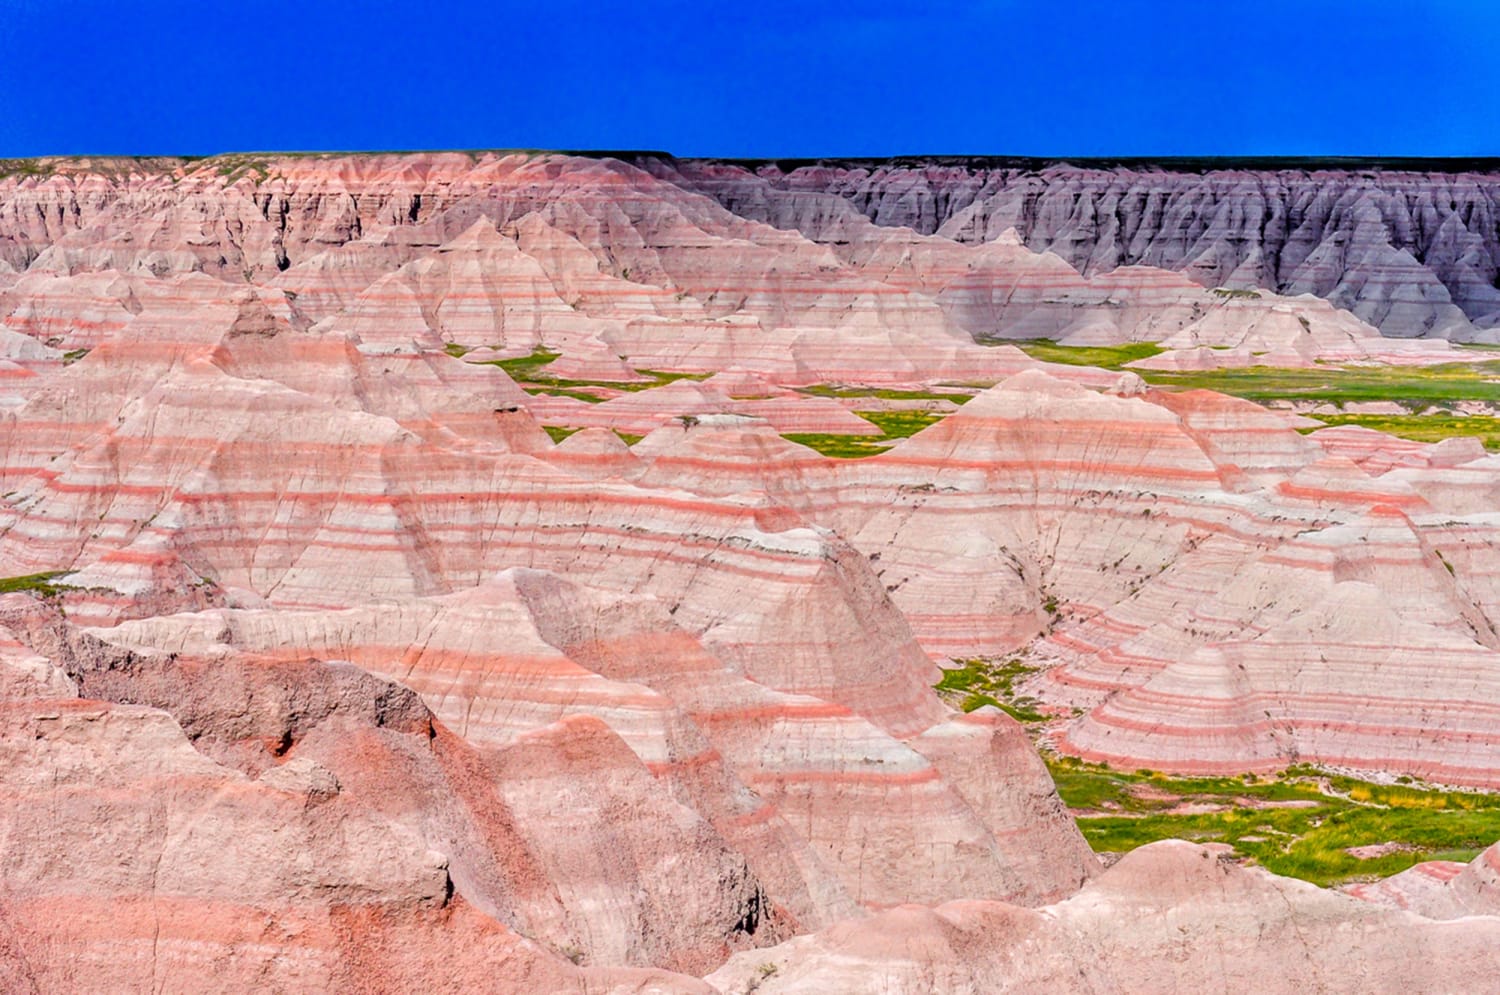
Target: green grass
[(1118, 811), (529, 372), (234, 166), (661, 377), (979, 682), (73, 355), (560, 391), (840, 446), (893, 425), (559, 433), (1424, 428), (1309, 842), (1111, 357), (901, 424), (1415, 388), (889, 394), (26, 167), (521, 367), (39, 584)]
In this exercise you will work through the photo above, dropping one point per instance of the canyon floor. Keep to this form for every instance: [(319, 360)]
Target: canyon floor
[(529, 572)]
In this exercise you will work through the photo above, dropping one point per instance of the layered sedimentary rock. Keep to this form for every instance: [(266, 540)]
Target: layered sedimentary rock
[(293, 826), (1211, 589), (356, 667), (1408, 247), (1171, 916), (604, 259), (1441, 889)]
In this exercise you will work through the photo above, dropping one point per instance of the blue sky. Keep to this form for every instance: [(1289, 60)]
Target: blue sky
[(766, 78)]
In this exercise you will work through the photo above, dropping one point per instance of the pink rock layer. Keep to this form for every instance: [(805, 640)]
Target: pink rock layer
[(1171, 916), (337, 660)]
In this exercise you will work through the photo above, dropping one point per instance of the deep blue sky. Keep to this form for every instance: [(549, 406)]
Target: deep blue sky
[(758, 78)]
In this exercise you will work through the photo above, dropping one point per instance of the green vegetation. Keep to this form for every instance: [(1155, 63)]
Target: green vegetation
[(893, 425), (1424, 428), (1240, 295), (40, 584), (840, 446), (890, 394), (1109, 357), (557, 432), (521, 368), (26, 167), (901, 424), (1299, 823), (459, 351), (661, 377), (979, 682), (234, 167), (559, 391), (73, 355), (528, 372), (1414, 388)]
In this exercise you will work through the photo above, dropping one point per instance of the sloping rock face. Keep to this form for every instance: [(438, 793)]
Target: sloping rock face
[(601, 259), (1170, 916), (323, 668), (1441, 889), (1410, 250)]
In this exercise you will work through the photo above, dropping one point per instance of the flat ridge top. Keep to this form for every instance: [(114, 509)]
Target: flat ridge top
[(1166, 164)]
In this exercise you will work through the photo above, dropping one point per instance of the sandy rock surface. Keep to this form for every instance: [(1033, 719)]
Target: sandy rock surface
[(323, 667)]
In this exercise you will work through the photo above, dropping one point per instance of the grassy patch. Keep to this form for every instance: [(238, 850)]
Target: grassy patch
[(1415, 388), (460, 351), (529, 372), (889, 394), (901, 424), (663, 376), (629, 438), (979, 682), (551, 391), (73, 355), (39, 584), (893, 425), (557, 432), (1308, 840), (1109, 357), (1424, 428), (840, 446), (522, 367), (233, 167), (26, 167)]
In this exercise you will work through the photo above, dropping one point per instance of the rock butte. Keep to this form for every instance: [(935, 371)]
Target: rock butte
[(338, 673)]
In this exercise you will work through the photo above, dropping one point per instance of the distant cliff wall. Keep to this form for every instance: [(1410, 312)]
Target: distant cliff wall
[(1412, 251)]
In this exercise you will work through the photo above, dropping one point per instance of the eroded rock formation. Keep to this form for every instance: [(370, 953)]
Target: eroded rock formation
[(324, 667), (1411, 247)]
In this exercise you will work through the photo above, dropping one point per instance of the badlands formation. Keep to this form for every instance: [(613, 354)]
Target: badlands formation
[(425, 572)]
